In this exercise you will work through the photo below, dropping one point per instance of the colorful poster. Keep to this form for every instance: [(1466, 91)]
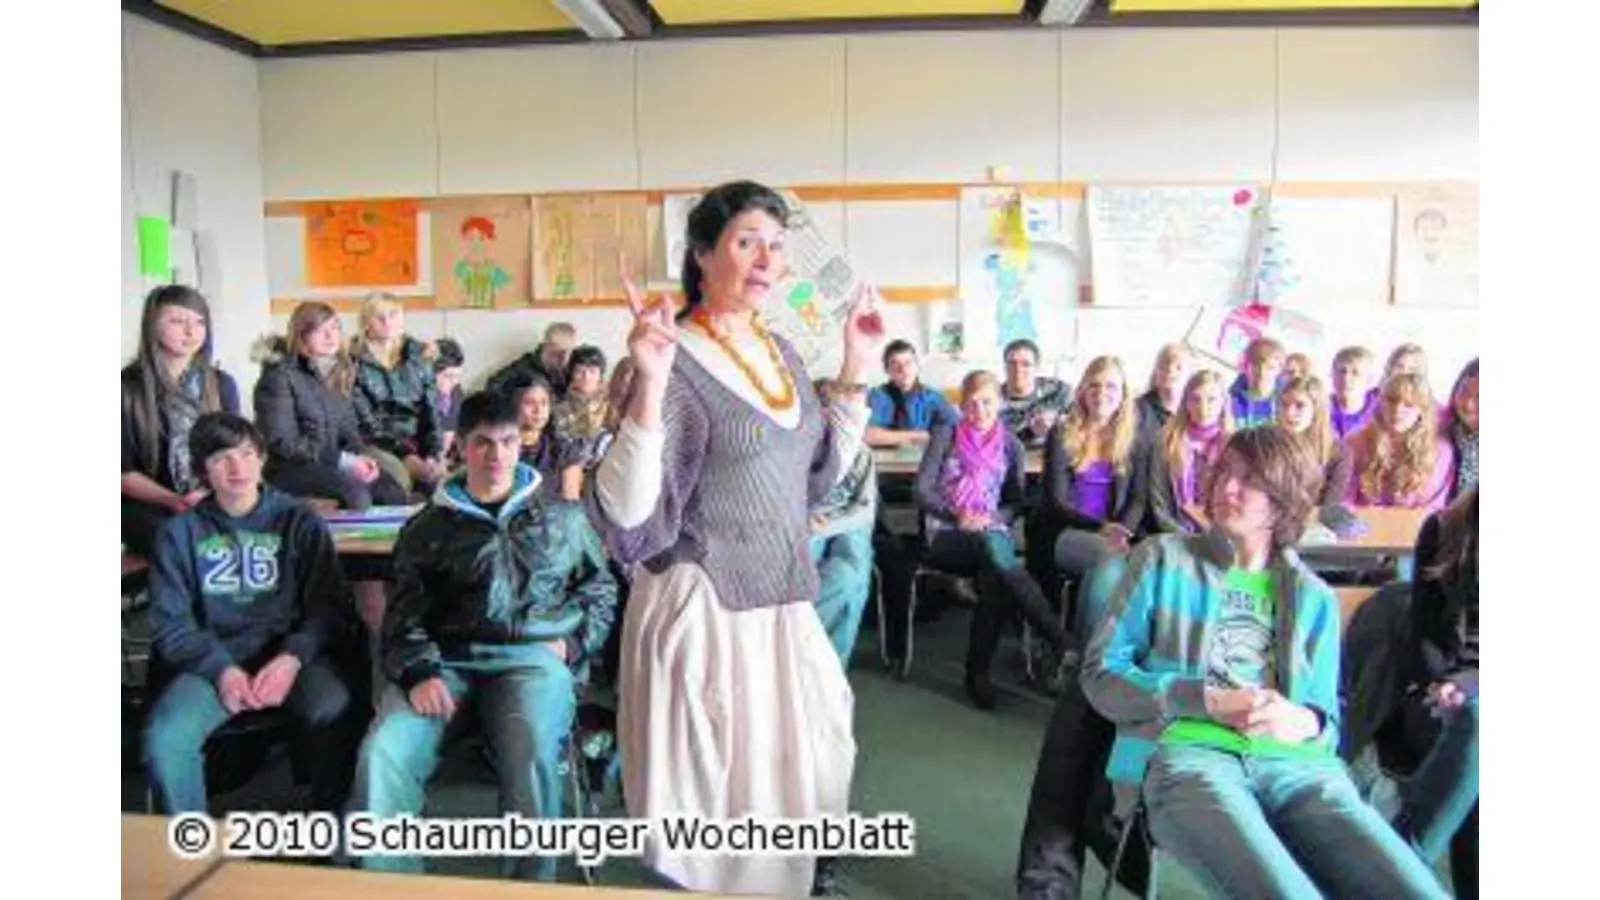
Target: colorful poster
[(1018, 281), (361, 243), (481, 252), (1223, 333), (576, 241), (816, 296), (1436, 246), (1320, 252), (1179, 246)]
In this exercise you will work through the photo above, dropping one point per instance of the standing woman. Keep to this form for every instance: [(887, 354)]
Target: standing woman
[(1190, 443), (1303, 411), (395, 394), (1461, 427), (169, 384), (304, 410), (732, 700)]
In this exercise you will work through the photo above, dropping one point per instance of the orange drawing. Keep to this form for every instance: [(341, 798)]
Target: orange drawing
[(361, 243)]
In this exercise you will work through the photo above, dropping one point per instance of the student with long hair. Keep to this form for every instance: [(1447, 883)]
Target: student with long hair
[(171, 382), (549, 452), (303, 408), (395, 393), (1093, 498), (1460, 425), (1400, 459), (1439, 720), (1190, 442), (969, 490), (1354, 399), (1160, 402), (1407, 359), (1303, 411), (580, 416)]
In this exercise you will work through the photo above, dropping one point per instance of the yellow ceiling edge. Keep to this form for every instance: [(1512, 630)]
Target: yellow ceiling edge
[(271, 22), (713, 12)]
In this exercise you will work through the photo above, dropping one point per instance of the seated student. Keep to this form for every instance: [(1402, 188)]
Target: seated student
[(1439, 720), (1158, 404), (500, 600), (169, 384), (447, 363), (1460, 425), (1400, 459), (1354, 398), (548, 360), (1296, 365), (580, 416), (541, 447), (1218, 660), (1407, 359), (902, 410), (841, 545), (1094, 496), (1255, 394), (1190, 442), (395, 395), (246, 593), (1302, 412), (969, 485), (1031, 403), (303, 408)]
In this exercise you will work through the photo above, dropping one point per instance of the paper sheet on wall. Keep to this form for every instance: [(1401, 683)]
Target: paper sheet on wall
[(674, 229), (1325, 252), (811, 305), (481, 250), (1018, 280), (576, 240), (1222, 333), (352, 243), (1178, 246), (1436, 246)]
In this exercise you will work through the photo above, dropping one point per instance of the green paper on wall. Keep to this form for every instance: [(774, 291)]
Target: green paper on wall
[(155, 256)]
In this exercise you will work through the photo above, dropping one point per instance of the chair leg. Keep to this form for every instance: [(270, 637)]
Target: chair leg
[(580, 796), (911, 626), (1128, 827)]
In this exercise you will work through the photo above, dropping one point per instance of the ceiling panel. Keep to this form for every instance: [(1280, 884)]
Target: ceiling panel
[(1132, 6), (270, 22), (710, 12)]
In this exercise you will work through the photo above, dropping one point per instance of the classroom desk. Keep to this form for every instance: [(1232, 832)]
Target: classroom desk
[(270, 881), (149, 868), (1390, 533), (905, 461)]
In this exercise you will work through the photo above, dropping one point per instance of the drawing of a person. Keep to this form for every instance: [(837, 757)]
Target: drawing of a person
[(1429, 227), (479, 276)]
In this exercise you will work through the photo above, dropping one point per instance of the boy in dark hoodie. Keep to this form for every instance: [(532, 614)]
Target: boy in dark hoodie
[(1255, 393), (246, 590), (501, 597)]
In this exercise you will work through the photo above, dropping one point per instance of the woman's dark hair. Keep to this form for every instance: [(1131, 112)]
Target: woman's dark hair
[(486, 409), (1283, 468), (151, 379), (1469, 371), (586, 355), (1458, 540), (215, 432), (533, 381), (447, 354), (710, 216)]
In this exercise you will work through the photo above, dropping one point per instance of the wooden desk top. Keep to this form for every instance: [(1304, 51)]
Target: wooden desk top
[(273, 880), (1389, 532), (149, 867)]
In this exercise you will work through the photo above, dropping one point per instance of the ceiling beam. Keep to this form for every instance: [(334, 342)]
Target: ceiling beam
[(1101, 16), (205, 31), (637, 18), (847, 26)]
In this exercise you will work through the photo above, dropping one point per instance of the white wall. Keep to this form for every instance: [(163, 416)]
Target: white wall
[(1102, 104), (191, 106)]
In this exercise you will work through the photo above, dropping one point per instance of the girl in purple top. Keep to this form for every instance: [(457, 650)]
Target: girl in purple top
[(1400, 459), (1354, 399), (1302, 412), (1460, 425), (969, 487), (1189, 445), (1093, 482)]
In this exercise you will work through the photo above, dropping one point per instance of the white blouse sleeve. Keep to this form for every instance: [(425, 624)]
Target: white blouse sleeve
[(849, 424), (628, 480)]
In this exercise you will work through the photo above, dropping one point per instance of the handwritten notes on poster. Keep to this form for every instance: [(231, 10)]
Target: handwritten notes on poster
[(361, 243), (576, 239), (1172, 246)]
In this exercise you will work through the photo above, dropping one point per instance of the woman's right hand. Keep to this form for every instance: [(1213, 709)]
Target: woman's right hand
[(653, 340)]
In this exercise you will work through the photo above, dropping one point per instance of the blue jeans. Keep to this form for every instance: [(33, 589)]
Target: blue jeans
[(1276, 829), (1443, 790), (189, 711), (844, 568), (526, 714)]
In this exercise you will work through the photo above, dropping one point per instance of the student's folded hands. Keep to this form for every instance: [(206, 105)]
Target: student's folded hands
[(235, 691), (273, 683)]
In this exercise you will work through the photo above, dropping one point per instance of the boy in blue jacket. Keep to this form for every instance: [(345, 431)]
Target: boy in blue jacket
[(245, 590), (501, 597), (1218, 661)]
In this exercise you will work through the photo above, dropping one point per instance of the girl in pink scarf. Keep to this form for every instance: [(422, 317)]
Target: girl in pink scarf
[(1190, 443)]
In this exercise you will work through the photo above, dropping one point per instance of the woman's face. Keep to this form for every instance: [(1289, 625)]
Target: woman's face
[(1102, 396), (534, 413), (1466, 403), (585, 380), (1296, 412), (1401, 415), (323, 340), (180, 332), (982, 407), (1204, 404), (386, 325), (749, 258)]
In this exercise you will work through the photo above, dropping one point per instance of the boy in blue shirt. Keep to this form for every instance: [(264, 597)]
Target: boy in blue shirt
[(904, 411), (1255, 393), (246, 597)]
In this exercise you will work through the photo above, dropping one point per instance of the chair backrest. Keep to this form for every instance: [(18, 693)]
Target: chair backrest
[(1372, 664)]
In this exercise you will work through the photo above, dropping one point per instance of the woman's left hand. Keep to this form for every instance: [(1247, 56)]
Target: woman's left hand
[(863, 335)]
